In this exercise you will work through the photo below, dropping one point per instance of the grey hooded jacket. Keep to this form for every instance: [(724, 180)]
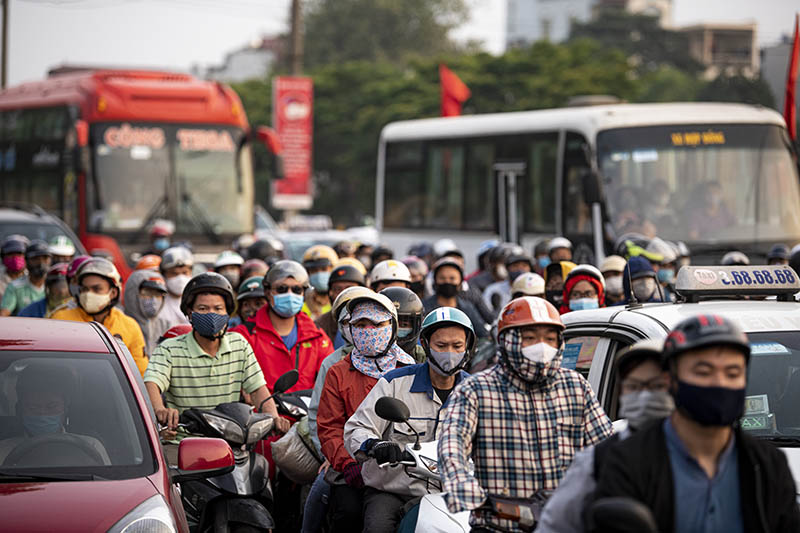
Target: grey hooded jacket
[(152, 328)]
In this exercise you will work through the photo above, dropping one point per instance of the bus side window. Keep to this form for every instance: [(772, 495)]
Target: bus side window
[(540, 188), (444, 192), (578, 214)]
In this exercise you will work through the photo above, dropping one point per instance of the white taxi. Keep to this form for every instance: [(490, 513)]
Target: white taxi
[(760, 299)]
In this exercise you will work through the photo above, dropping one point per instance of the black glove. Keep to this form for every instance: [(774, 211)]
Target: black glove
[(386, 452)]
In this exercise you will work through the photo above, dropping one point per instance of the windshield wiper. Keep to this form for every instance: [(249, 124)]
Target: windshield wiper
[(201, 218), (21, 476), (784, 440)]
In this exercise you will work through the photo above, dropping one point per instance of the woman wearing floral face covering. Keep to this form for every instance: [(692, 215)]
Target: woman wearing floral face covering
[(373, 328)]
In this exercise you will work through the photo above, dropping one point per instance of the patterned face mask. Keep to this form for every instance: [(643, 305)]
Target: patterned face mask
[(374, 351), (530, 369), (371, 342)]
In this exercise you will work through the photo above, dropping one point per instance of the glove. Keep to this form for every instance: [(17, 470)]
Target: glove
[(352, 475), (386, 452)]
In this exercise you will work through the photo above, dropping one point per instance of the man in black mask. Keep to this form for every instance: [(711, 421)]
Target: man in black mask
[(697, 470), (447, 277)]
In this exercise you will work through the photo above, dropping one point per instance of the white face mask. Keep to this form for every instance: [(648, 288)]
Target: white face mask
[(175, 285), (94, 303), (614, 285), (541, 353)]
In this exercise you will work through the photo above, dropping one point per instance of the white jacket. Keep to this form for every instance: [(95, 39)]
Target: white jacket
[(412, 385)]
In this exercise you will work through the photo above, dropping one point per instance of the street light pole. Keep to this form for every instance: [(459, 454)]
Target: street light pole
[(4, 59), (297, 38)]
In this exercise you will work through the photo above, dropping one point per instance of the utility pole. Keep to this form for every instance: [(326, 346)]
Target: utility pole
[(4, 59), (296, 38)]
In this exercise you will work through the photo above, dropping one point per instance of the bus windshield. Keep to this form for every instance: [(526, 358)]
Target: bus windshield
[(701, 183), (185, 173)]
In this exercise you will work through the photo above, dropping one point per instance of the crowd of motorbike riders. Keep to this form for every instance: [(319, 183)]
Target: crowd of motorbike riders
[(476, 357)]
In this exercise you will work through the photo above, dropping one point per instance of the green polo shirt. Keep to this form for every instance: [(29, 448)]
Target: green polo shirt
[(190, 378), (19, 294)]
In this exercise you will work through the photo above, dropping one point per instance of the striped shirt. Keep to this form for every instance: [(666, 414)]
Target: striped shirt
[(190, 378)]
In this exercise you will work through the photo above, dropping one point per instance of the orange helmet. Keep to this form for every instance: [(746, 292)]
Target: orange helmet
[(148, 262), (529, 311)]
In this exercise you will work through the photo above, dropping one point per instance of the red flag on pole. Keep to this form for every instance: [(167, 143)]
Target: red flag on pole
[(790, 104), (454, 92)]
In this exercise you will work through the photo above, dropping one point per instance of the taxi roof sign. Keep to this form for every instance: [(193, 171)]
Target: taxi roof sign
[(694, 282)]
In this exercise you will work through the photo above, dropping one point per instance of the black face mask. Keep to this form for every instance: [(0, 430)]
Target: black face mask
[(710, 406), (446, 290), (37, 271), (555, 297), (417, 287)]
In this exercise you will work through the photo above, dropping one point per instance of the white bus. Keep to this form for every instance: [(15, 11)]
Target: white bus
[(716, 176)]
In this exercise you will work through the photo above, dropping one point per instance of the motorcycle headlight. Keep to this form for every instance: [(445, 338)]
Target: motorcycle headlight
[(259, 429), (152, 515), (431, 464), (229, 430)]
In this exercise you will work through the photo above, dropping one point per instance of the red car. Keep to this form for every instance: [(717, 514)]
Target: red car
[(79, 444)]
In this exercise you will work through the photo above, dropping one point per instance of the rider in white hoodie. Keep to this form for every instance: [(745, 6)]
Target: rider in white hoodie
[(176, 267)]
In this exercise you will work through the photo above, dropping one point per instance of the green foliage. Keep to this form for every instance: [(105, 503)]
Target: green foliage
[(668, 84), (737, 88)]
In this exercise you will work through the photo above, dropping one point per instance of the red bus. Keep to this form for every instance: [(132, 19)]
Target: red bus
[(109, 151)]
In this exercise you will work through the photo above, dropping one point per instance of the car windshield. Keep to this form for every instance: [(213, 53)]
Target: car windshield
[(703, 183), (772, 407), (69, 416)]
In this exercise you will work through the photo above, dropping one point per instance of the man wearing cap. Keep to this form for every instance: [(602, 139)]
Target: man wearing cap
[(28, 289), (250, 298), (612, 268), (643, 397), (229, 265), (145, 292), (447, 277), (318, 261), (559, 249), (697, 470), (521, 422), (342, 277), (283, 337), (56, 294), (640, 282)]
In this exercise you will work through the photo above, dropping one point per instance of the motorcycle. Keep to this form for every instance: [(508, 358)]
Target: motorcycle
[(240, 500)]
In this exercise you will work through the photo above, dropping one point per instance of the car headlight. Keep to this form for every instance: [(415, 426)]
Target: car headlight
[(259, 429), (430, 464), (229, 430), (152, 515)]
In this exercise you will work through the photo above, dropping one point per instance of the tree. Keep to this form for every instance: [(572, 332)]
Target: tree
[(737, 88), (379, 30), (668, 84)]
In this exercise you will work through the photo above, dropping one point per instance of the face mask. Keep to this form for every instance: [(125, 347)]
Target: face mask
[(39, 425), (644, 288), (371, 342), (288, 304), (555, 297), (710, 406), (417, 287), (94, 303), (402, 333), (319, 280), (37, 271), (14, 264), (539, 353), (209, 325), (534, 364), (514, 274), (446, 363), (150, 305), (614, 285), (232, 277), (175, 285), (642, 406), (579, 304), (161, 244), (544, 261), (344, 326), (446, 290), (666, 275)]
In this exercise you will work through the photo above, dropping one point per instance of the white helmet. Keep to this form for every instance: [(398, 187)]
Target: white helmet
[(176, 256), (587, 270), (228, 258), (443, 246), (660, 247), (388, 271), (559, 242), (529, 284)]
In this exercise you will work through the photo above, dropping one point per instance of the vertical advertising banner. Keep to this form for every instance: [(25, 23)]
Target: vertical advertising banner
[(293, 120)]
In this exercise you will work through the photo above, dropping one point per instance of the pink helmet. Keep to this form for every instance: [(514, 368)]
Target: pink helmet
[(75, 264)]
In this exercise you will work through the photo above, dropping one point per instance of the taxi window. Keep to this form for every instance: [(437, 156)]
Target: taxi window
[(579, 353)]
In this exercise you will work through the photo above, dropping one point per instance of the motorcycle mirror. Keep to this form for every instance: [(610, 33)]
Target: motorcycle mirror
[(286, 381), (620, 515), (392, 409)]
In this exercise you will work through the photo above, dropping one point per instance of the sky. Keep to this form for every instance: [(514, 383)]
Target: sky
[(177, 34)]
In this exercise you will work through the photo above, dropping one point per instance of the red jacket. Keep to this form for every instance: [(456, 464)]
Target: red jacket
[(345, 388), (311, 348)]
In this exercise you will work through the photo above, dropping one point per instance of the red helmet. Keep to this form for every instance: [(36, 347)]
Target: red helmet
[(148, 262), (529, 311), (175, 331), (57, 272)]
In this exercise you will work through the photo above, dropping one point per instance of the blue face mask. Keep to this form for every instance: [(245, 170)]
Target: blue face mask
[(38, 425), (666, 275), (580, 304), (319, 280), (288, 304), (209, 325), (544, 261), (161, 244)]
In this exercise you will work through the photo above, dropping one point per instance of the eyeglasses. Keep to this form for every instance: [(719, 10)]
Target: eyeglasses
[(283, 289), (654, 385), (584, 294)]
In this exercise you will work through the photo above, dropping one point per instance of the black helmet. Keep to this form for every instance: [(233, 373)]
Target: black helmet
[(268, 250), (408, 305), (208, 282), (701, 331), (735, 258), (37, 248), (380, 251), (779, 251), (346, 273), (630, 357), (14, 244), (518, 257)]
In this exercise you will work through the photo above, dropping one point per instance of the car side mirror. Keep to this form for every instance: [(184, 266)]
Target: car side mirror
[(286, 381), (392, 409), (200, 458), (619, 515), (591, 187)]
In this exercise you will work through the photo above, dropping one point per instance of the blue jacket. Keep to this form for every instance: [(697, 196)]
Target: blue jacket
[(35, 310)]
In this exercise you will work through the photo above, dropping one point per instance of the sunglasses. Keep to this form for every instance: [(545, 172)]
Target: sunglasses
[(283, 289)]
